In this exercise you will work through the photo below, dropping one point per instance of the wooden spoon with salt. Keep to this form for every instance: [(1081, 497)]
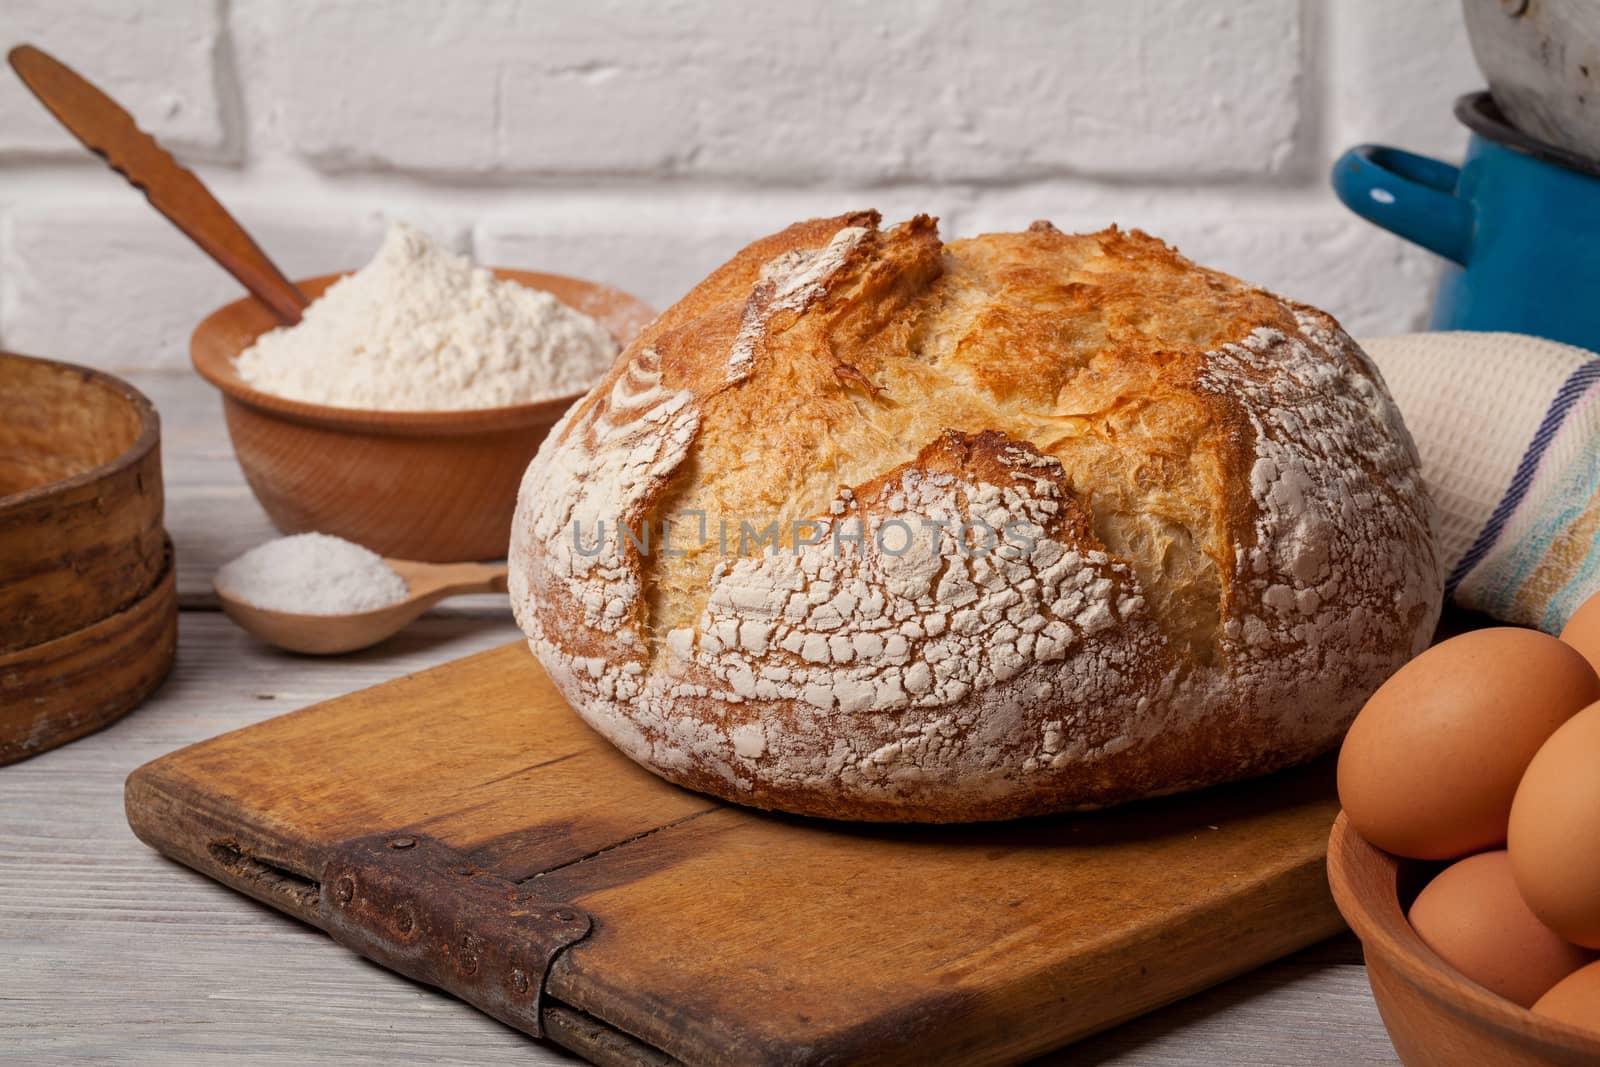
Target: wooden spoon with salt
[(327, 635)]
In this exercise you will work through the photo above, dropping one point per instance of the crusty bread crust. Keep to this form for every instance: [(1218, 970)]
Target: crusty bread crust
[(1167, 529)]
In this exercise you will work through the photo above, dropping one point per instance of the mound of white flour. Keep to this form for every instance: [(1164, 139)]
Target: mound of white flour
[(422, 329)]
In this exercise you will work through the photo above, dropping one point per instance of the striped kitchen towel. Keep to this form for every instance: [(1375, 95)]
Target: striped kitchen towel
[(1509, 431)]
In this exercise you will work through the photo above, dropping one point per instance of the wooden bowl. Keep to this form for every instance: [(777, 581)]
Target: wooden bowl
[(80, 499), (56, 692), (438, 486), (1435, 1017)]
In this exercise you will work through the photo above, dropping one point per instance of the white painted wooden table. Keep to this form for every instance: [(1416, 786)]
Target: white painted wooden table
[(110, 953)]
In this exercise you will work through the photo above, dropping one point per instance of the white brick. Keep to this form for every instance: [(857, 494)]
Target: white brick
[(1396, 69), (1166, 88), (1308, 250), (448, 87), (789, 92), (157, 58), (111, 284), (659, 247)]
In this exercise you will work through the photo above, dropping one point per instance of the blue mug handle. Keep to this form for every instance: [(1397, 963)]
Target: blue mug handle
[(1407, 194)]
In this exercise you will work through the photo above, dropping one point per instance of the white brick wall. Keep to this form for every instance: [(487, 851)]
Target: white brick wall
[(641, 144)]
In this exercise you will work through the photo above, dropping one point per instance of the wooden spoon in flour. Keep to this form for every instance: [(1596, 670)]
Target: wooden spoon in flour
[(110, 133), (326, 635)]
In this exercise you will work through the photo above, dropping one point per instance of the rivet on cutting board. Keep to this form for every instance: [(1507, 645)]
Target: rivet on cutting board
[(403, 921), (519, 981), (402, 843), (345, 890), (563, 915)]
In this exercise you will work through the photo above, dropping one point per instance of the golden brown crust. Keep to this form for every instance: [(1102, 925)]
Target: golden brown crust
[(1222, 542)]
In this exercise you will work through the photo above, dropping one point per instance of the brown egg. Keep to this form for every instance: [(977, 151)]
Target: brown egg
[(1472, 916), (1554, 837), (1430, 765), (1575, 999), (1582, 631)]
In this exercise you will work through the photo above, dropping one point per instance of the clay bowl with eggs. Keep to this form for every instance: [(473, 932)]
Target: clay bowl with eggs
[(438, 486), (88, 612), (1435, 1016)]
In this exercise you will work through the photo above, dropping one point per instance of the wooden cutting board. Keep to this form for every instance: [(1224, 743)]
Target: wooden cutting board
[(464, 827)]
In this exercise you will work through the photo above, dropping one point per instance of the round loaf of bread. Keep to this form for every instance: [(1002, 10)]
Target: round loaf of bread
[(869, 526)]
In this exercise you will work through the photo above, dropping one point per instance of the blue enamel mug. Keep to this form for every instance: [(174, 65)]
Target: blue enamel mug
[(1518, 223)]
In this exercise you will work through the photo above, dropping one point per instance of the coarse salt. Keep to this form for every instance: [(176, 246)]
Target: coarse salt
[(312, 574)]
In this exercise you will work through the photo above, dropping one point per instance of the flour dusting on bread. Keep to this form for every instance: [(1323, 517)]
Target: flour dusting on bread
[(789, 282), (613, 455)]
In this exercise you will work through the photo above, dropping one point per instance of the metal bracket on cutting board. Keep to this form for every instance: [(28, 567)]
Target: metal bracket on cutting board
[(418, 907)]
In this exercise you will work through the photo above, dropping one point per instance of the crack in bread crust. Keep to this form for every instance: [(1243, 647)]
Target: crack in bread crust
[(1211, 540)]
